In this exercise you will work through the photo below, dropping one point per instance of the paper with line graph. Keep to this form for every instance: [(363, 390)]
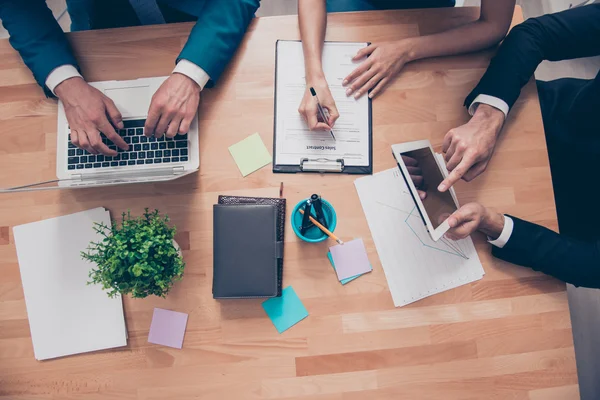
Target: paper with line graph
[(415, 266)]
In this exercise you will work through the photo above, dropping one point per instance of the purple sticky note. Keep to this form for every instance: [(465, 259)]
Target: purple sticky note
[(167, 328), (350, 259)]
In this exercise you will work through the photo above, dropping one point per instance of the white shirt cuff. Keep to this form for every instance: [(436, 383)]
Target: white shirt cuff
[(506, 233), (193, 72), (60, 74), (490, 101)]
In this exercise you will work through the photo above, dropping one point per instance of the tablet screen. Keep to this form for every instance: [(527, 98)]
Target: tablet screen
[(438, 205)]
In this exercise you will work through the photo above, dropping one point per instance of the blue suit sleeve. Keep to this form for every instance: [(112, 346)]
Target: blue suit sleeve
[(217, 34), (36, 35)]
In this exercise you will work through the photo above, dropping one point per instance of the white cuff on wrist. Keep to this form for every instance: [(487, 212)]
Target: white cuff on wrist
[(490, 101), (192, 71), (61, 74), (506, 233)]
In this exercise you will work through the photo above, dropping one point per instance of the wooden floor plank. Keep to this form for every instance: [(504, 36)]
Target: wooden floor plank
[(380, 359), (570, 392), (365, 341)]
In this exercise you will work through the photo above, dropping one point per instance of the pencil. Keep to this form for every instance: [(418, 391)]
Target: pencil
[(321, 227)]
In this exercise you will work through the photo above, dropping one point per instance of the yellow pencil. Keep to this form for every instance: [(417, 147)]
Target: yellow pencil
[(321, 227)]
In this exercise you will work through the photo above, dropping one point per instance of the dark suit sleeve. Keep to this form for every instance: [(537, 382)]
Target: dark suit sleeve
[(217, 35), (567, 259), (36, 35), (565, 35)]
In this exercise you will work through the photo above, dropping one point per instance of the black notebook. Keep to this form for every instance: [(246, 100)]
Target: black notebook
[(280, 204), (247, 252)]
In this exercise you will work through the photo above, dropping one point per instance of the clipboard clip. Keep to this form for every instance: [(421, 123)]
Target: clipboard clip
[(321, 165)]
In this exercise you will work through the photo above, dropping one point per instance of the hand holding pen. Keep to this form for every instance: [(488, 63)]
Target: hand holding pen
[(322, 112), (310, 110)]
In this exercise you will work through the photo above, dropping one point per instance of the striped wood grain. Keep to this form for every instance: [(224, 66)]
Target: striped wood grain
[(507, 336)]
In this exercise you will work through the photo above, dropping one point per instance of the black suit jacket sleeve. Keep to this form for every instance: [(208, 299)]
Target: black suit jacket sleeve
[(565, 35), (567, 259)]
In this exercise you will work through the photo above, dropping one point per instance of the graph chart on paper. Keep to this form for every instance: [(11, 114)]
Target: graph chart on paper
[(415, 266)]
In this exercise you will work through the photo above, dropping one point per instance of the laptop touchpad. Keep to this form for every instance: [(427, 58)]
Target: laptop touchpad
[(132, 101)]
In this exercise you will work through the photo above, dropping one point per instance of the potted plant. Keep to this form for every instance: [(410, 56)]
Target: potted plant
[(138, 257)]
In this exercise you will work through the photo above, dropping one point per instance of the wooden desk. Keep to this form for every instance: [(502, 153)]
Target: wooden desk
[(508, 335)]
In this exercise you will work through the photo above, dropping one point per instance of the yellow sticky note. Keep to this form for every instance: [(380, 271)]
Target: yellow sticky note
[(250, 154)]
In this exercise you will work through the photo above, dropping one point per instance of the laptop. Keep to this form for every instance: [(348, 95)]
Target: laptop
[(147, 160)]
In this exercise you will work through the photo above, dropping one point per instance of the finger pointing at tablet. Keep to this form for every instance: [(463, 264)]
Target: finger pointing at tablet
[(469, 147), (455, 175)]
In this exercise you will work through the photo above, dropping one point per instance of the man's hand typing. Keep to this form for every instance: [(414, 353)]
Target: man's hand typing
[(89, 113)]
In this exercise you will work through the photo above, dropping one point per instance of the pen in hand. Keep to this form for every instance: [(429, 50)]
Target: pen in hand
[(321, 110)]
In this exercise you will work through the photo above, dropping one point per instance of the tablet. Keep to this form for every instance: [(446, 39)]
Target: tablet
[(437, 206)]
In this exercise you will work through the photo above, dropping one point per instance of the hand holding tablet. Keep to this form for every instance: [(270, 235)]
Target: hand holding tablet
[(423, 171)]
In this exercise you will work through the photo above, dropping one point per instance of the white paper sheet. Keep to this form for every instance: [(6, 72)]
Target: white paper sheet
[(66, 316), (415, 266), (294, 141)]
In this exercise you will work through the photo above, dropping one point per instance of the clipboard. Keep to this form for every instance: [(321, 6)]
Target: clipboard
[(320, 164)]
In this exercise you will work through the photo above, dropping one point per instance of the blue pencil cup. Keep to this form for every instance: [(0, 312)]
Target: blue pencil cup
[(314, 234)]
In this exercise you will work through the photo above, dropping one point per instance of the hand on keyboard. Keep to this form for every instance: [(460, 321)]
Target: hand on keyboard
[(143, 151), (90, 112), (173, 107)]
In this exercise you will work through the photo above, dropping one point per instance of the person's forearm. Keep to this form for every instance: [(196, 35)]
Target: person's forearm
[(471, 37), (569, 34), (217, 34), (312, 18), (488, 30), (563, 257), (36, 35)]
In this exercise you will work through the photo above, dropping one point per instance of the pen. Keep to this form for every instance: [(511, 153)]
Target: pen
[(321, 110), (321, 227)]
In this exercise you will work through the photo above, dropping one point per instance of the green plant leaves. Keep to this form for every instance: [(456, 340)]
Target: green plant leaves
[(137, 258)]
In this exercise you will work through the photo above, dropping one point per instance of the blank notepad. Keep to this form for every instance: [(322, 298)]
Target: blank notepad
[(66, 315), (167, 328), (350, 259)]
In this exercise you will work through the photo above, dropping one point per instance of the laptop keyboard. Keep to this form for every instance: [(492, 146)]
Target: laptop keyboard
[(142, 150)]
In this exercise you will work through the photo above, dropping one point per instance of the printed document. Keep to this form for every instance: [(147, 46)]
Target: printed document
[(415, 266), (294, 141)]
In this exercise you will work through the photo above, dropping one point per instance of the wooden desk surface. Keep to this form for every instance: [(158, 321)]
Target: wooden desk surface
[(507, 336)]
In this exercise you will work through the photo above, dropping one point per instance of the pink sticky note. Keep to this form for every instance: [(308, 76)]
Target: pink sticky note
[(350, 259), (167, 328)]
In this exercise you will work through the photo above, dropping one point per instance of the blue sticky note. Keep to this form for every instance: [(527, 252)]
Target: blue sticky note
[(285, 311), (344, 281)]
